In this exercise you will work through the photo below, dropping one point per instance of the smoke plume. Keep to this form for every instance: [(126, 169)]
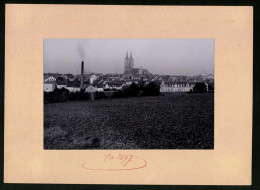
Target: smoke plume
[(81, 51)]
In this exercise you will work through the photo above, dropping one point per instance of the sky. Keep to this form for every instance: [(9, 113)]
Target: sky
[(160, 56)]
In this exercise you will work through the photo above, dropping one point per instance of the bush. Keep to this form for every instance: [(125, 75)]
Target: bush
[(58, 95), (152, 89), (63, 95), (211, 87), (100, 95), (119, 94), (200, 87), (83, 95), (128, 91), (132, 90)]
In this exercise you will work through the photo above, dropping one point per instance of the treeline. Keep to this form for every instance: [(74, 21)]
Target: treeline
[(141, 89), (64, 95), (201, 87), (134, 90)]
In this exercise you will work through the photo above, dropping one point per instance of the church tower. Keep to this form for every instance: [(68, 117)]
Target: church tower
[(127, 69), (129, 63)]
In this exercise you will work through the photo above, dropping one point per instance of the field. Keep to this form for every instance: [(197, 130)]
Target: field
[(171, 121)]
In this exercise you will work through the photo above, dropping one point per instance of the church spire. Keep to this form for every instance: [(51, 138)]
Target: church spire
[(131, 54), (127, 54)]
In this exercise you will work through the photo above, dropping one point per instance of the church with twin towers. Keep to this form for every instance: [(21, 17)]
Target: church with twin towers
[(129, 66)]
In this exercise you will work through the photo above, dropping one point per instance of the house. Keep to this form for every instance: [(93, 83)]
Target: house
[(110, 79), (90, 78), (100, 87), (172, 78), (129, 76), (49, 86), (210, 76), (90, 89), (70, 79), (130, 81), (73, 87), (61, 84), (50, 78), (115, 85), (184, 86)]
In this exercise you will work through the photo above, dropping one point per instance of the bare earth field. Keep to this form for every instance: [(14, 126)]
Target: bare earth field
[(172, 121)]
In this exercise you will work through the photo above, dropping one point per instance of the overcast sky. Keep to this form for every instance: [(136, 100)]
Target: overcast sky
[(159, 56)]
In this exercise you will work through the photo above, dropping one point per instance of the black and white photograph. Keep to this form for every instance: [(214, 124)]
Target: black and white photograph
[(128, 94)]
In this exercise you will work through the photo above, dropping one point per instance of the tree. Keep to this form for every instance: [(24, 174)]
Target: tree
[(141, 84), (133, 90), (200, 87), (82, 95), (119, 94), (152, 89), (211, 87), (60, 78), (100, 95)]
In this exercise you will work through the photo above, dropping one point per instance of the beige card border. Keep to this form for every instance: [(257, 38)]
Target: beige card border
[(229, 163)]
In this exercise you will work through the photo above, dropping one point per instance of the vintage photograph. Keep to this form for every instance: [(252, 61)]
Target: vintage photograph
[(128, 93)]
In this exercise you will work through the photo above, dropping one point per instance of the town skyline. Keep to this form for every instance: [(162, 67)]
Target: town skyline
[(192, 57), (89, 73)]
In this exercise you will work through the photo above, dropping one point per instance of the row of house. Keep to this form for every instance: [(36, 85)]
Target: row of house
[(93, 82), (170, 86)]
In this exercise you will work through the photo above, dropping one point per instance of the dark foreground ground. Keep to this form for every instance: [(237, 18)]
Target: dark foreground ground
[(173, 121)]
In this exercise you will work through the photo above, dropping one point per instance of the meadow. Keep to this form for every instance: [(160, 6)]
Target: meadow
[(169, 121)]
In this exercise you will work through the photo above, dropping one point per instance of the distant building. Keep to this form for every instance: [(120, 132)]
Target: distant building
[(99, 87), (49, 86), (129, 66), (71, 79), (130, 81), (61, 84), (73, 87), (177, 86), (115, 85), (90, 89), (129, 76), (50, 78), (92, 78), (170, 86), (209, 77)]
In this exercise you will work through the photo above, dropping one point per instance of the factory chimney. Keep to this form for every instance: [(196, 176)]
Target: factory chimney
[(82, 75)]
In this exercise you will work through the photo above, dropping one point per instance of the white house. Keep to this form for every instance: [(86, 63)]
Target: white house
[(176, 86), (61, 84), (71, 79), (50, 78), (49, 86), (73, 87), (114, 85), (130, 81), (99, 87), (90, 89)]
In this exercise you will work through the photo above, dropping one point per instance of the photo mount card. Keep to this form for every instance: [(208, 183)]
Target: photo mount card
[(26, 158)]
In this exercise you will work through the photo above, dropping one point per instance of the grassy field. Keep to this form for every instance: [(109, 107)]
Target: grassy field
[(173, 121)]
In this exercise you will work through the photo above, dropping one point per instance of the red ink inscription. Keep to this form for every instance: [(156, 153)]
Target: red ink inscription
[(116, 162)]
